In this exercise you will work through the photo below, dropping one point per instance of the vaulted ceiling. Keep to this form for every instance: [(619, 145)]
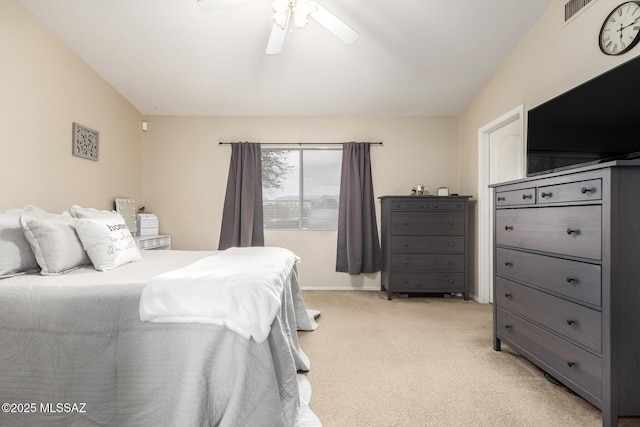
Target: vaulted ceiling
[(413, 57)]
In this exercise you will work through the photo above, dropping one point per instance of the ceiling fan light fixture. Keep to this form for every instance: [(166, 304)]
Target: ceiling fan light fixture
[(281, 19), (281, 11), (280, 5), (301, 11)]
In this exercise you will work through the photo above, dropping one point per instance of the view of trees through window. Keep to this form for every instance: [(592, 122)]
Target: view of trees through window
[(301, 187)]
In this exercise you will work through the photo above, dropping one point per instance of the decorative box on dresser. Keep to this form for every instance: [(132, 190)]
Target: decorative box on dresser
[(425, 244), (157, 242), (567, 280)]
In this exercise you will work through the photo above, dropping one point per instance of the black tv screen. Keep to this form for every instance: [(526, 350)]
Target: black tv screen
[(595, 122)]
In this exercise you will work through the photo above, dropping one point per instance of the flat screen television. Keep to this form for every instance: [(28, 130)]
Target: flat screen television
[(595, 122)]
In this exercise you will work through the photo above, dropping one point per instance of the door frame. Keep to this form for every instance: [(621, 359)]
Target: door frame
[(485, 204)]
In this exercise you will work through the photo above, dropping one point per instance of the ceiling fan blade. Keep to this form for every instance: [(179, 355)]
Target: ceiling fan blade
[(333, 24), (276, 39), (220, 4)]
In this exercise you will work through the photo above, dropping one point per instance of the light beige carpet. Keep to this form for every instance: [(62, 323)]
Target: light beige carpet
[(425, 362)]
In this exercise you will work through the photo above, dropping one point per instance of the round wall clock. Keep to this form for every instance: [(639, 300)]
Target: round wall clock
[(621, 30)]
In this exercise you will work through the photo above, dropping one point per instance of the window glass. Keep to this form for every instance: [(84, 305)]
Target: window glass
[(301, 187)]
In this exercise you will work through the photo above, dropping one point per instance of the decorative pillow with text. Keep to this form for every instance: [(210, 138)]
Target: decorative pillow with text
[(108, 241)]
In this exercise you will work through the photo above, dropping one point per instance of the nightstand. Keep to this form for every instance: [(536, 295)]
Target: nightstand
[(162, 241)]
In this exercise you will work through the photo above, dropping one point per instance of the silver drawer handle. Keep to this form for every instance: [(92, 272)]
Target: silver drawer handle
[(405, 244), (573, 231), (571, 322), (543, 194), (508, 227), (570, 279), (508, 264), (527, 196), (587, 190), (571, 364), (501, 199)]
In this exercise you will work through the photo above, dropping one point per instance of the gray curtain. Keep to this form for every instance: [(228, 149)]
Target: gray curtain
[(358, 242), (242, 223)]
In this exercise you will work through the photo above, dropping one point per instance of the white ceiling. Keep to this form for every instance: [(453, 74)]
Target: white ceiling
[(171, 57)]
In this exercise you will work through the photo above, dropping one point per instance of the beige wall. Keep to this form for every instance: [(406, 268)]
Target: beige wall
[(186, 173), (552, 58), (44, 88)]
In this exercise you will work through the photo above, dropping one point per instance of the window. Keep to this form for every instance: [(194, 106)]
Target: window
[(301, 187)]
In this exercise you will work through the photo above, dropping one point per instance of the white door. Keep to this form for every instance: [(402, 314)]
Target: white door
[(500, 159), (505, 158)]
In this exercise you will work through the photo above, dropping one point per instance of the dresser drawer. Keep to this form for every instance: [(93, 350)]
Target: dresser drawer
[(526, 196), (427, 262), (574, 321), (428, 282), (447, 205), (577, 280), (411, 205), (571, 192), (427, 223), (447, 244), (577, 365), (571, 230)]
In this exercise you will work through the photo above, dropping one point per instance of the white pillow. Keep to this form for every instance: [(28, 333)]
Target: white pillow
[(16, 256), (54, 243), (77, 211), (32, 210), (108, 241)]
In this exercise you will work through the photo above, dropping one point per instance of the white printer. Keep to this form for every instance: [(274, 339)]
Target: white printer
[(146, 224)]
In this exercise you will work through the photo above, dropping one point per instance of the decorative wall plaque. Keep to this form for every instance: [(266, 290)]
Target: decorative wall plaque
[(85, 142)]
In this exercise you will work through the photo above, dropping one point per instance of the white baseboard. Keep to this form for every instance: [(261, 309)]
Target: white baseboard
[(472, 297), (339, 288)]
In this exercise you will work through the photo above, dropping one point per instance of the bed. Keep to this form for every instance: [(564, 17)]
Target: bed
[(74, 352)]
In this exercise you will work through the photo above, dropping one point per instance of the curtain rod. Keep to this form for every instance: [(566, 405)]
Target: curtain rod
[(299, 143)]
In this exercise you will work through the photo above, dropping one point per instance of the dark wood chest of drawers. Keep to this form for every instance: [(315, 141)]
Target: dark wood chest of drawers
[(425, 244), (567, 280)]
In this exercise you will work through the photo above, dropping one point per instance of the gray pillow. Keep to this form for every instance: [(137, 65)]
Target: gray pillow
[(77, 211), (16, 256), (54, 243)]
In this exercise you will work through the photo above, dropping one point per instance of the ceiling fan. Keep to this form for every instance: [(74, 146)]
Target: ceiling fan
[(295, 13)]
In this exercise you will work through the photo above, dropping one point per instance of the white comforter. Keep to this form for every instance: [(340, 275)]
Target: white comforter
[(240, 288)]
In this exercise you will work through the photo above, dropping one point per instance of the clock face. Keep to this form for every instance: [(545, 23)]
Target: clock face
[(621, 30)]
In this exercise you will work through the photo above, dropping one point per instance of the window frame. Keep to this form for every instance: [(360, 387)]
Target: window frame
[(301, 148)]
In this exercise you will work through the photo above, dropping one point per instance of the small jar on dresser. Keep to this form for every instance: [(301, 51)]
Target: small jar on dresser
[(425, 244)]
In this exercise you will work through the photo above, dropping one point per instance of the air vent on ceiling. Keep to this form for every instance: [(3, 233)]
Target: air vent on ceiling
[(572, 7)]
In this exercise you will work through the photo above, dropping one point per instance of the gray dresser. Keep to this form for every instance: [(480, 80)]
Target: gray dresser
[(425, 244), (567, 280)]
